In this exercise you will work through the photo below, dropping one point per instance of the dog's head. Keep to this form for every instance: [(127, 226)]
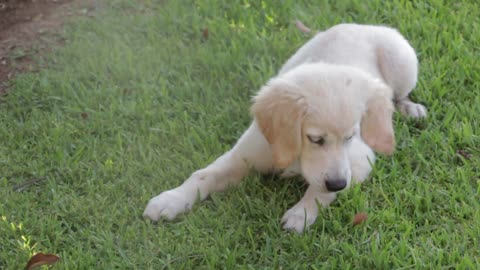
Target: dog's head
[(312, 113)]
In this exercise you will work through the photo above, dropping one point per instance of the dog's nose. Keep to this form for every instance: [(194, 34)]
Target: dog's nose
[(335, 184)]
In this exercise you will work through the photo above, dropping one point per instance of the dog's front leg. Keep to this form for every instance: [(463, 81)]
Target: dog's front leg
[(251, 150), (305, 212)]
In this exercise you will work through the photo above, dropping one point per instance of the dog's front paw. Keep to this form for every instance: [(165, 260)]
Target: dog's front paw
[(167, 205), (299, 217), (409, 108)]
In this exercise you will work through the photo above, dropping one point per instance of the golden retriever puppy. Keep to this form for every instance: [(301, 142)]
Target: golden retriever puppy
[(330, 105)]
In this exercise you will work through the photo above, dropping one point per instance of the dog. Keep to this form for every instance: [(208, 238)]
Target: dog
[(322, 117)]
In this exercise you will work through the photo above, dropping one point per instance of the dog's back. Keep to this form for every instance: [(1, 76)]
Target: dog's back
[(379, 50)]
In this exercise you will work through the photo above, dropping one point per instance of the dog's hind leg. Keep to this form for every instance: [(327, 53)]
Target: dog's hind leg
[(410, 108), (399, 67), (251, 150)]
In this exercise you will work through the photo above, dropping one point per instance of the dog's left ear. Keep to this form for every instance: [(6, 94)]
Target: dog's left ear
[(278, 110), (377, 126)]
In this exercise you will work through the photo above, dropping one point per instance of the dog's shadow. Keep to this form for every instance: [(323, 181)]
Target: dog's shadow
[(292, 188), (270, 195), (258, 196)]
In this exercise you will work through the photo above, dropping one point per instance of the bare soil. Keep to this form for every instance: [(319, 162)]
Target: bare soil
[(30, 27)]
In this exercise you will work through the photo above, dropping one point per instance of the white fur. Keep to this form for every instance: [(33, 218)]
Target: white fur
[(350, 82), (381, 51)]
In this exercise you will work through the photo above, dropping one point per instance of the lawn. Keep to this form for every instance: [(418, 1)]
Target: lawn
[(141, 96)]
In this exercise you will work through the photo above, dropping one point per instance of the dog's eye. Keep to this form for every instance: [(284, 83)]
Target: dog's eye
[(316, 140), (349, 138)]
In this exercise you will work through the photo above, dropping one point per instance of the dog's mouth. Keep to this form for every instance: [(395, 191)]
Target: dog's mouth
[(318, 184)]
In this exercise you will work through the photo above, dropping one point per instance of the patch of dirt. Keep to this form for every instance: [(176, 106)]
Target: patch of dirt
[(29, 27)]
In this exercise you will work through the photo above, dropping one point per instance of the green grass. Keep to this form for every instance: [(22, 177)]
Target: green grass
[(138, 99)]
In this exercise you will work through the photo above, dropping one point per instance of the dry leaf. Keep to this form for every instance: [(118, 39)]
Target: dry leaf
[(302, 27), (38, 17), (205, 33), (41, 259), (464, 154), (359, 218)]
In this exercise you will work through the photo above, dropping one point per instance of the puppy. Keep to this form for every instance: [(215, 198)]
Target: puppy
[(330, 105)]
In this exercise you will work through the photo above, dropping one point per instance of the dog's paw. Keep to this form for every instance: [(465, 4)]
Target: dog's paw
[(167, 206), (409, 108), (299, 217)]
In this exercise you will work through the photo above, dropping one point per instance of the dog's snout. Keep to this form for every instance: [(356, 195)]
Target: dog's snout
[(335, 184)]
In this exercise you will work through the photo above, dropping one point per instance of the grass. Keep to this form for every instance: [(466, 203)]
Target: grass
[(138, 99)]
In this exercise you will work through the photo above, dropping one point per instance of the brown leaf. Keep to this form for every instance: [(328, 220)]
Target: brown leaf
[(359, 218), (302, 27), (205, 33), (38, 17), (464, 154), (41, 259)]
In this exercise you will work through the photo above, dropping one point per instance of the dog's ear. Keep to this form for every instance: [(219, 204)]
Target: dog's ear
[(377, 126), (279, 111)]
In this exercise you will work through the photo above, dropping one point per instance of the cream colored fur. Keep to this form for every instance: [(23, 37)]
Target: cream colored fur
[(338, 88)]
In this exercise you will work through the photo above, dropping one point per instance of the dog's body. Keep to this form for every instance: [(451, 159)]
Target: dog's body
[(381, 51), (330, 104)]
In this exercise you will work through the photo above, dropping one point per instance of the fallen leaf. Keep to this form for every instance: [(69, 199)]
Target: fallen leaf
[(38, 17), (464, 154), (205, 33), (302, 27), (41, 259), (359, 218)]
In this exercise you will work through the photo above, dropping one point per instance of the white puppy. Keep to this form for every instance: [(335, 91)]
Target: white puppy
[(319, 117)]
